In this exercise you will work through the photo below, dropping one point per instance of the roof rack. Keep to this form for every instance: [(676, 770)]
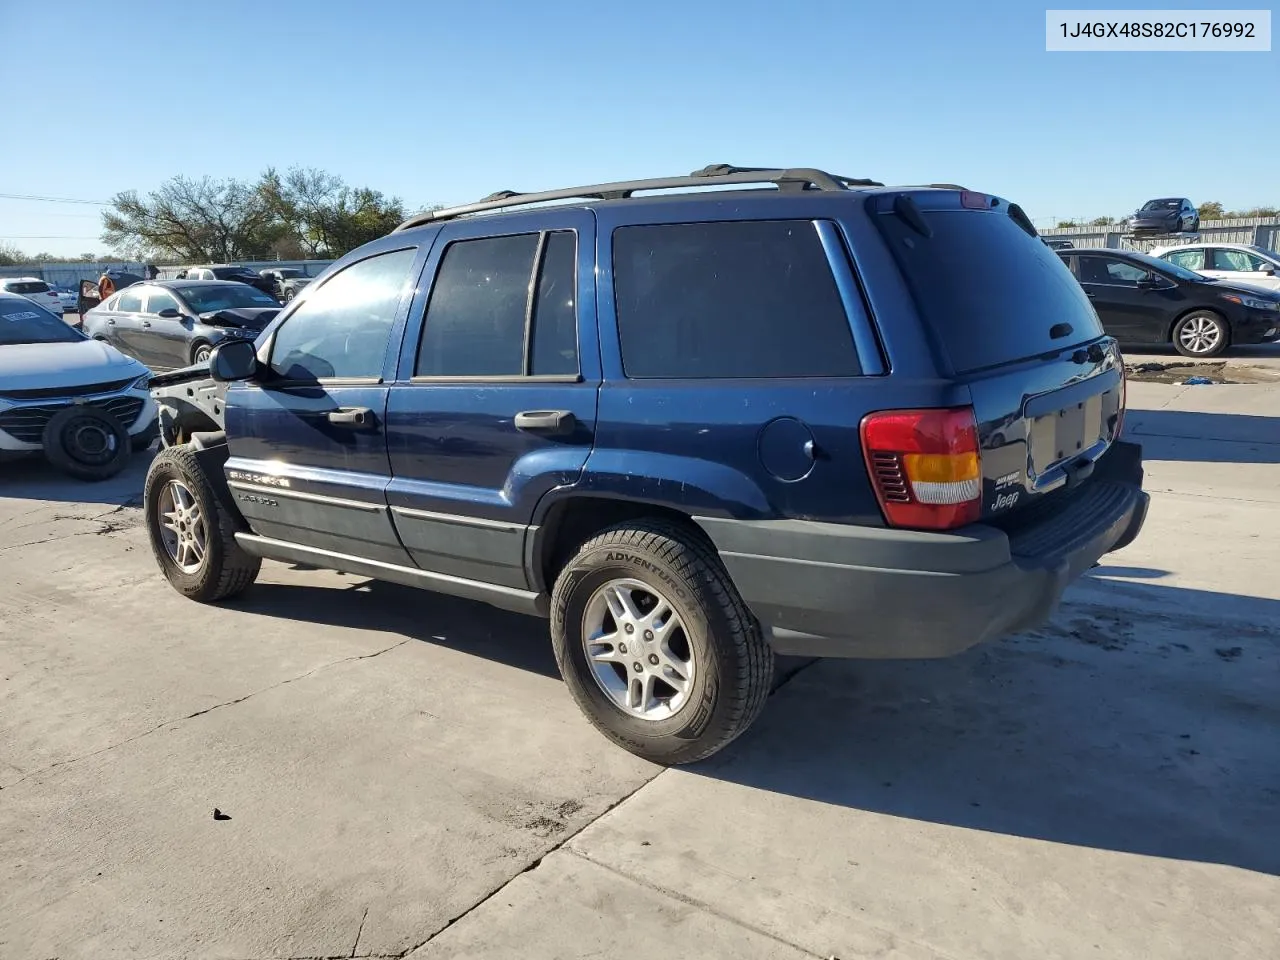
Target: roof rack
[(716, 174)]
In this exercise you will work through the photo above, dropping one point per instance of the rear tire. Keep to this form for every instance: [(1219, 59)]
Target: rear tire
[(192, 534), (1201, 334), (707, 643)]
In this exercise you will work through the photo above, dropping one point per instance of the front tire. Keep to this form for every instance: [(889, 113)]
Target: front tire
[(655, 644), (1201, 334), (192, 534), (200, 353), (86, 443)]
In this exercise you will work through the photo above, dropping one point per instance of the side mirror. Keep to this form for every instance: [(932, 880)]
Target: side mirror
[(233, 360), (1149, 282), (169, 313), (1269, 269)]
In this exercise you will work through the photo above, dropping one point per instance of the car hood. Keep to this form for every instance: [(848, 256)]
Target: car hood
[(298, 281), (250, 318), (38, 366), (1256, 290)]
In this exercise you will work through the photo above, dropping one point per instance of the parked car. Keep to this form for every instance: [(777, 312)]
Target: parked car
[(1239, 262), (675, 426), (174, 323), (35, 290), (1164, 216), (84, 404), (1059, 244), (225, 271), (67, 296), (1143, 300), (286, 282)]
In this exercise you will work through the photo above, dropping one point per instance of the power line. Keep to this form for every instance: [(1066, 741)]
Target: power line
[(24, 196), (54, 236)]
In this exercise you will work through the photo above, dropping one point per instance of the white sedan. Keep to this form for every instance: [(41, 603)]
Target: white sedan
[(35, 290), (1227, 261), (83, 403)]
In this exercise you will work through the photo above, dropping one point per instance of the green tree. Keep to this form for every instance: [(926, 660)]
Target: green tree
[(10, 255), (324, 216), (193, 220), (1102, 221), (1066, 223), (1212, 210)]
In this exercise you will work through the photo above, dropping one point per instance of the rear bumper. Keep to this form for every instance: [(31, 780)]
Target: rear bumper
[(834, 590)]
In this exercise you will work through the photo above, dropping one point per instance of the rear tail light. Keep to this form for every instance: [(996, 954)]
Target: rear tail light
[(925, 466)]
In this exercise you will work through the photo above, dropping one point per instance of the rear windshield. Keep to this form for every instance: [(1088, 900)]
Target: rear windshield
[(989, 290), (223, 273), (27, 286)]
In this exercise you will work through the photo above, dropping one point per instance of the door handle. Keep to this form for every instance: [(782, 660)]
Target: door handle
[(357, 417), (1091, 296), (111, 323), (146, 323), (555, 423)]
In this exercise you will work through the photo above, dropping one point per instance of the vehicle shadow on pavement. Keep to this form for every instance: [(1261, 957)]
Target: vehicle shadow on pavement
[(1139, 732), (461, 625), (1204, 437), (34, 478)]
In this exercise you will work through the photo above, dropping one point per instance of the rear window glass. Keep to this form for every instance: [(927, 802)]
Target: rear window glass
[(989, 291), (741, 299), (27, 286)]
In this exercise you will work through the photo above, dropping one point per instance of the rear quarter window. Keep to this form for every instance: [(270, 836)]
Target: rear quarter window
[(988, 290), (738, 299)]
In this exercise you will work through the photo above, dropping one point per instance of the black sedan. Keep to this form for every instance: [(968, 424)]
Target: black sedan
[(1164, 216), (1149, 302), (175, 323)]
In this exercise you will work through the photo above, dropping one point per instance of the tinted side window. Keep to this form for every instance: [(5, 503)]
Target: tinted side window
[(1125, 273), (1106, 270), (158, 300), (129, 302), (475, 318), (341, 331), (737, 299), (554, 331), (1191, 259)]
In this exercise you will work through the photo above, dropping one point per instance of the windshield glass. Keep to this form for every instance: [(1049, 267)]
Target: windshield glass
[(222, 273), (1165, 266), (27, 286), (289, 274), (1161, 205), (206, 299), (29, 323)]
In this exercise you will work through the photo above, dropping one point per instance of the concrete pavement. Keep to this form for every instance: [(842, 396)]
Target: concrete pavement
[(403, 774)]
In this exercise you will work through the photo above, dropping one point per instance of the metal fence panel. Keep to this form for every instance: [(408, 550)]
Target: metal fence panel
[(1260, 231)]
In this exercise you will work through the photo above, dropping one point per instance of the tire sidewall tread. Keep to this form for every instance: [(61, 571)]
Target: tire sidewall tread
[(734, 661), (51, 444), (227, 569)]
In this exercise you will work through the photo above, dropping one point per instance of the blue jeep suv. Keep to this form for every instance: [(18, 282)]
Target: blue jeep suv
[(798, 413)]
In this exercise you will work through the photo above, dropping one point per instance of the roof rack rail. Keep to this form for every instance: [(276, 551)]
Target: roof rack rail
[(716, 174)]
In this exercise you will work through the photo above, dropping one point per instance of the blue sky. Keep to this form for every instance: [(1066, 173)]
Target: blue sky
[(446, 103)]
